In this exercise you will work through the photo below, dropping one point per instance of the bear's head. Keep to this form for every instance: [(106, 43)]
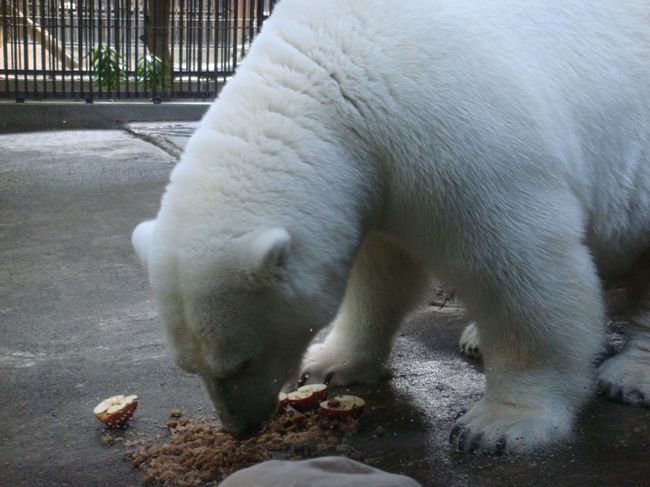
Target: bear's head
[(239, 310)]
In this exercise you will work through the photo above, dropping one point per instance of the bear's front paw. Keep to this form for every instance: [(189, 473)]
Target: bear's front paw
[(498, 428), (469, 341), (337, 366), (626, 377)]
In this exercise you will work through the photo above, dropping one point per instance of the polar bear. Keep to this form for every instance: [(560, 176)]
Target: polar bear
[(361, 147)]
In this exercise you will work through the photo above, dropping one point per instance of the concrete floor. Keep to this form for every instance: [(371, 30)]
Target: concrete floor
[(77, 325)]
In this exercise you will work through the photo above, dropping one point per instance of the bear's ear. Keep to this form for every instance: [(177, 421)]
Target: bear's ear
[(270, 250), (141, 240)]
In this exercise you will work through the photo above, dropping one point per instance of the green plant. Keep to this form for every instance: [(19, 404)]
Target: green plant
[(106, 64), (152, 73)]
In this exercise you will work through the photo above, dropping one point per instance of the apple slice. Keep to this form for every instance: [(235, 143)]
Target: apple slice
[(307, 398), (303, 401), (343, 407), (319, 390), (116, 411)]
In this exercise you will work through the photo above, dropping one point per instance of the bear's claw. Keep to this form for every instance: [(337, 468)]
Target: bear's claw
[(624, 378), (634, 397), (475, 446), (461, 437), (304, 377), (328, 378), (469, 341), (500, 447)]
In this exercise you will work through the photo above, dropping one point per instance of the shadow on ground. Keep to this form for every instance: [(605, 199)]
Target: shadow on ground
[(77, 325)]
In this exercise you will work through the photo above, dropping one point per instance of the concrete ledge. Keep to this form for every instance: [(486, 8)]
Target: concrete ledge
[(65, 115)]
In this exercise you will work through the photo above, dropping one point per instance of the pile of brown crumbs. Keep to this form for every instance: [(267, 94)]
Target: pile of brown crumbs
[(198, 452)]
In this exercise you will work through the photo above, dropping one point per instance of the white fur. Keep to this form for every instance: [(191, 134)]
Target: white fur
[(469, 341), (501, 144), (141, 239)]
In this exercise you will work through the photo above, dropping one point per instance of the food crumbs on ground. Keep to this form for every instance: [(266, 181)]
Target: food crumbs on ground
[(199, 452), (107, 440), (176, 413)]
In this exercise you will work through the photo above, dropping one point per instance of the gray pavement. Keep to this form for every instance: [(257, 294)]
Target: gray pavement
[(102, 114), (77, 325)]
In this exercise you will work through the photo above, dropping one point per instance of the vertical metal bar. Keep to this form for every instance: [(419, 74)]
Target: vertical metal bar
[(25, 47), (54, 60), (191, 44), (225, 33), (172, 36), (248, 27), (235, 33), (199, 41), (208, 44), (92, 45), (34, 60), (117, 39), (80, 13), (139, 17), (46, 56), (187, 39), (145, 52), (215, 37), (63, 47), (112, 33), (251, 26), (71, 37), (154, 64), (100, 36), (127, 39), (14, 48), (181, 38), (219, 41), (6, 39), (5, 44), (109, 40), (43, 24), (260, 15)]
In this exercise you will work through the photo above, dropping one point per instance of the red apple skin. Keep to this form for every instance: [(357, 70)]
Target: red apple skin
[(119, 418), (304, 404)]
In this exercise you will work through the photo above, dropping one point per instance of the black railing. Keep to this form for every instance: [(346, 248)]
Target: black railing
[(94, 49)]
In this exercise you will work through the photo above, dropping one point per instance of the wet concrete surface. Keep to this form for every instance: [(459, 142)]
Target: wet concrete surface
[(77, 325), (169, 136)]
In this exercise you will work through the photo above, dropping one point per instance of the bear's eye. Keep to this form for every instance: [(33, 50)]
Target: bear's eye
[(234, 371)]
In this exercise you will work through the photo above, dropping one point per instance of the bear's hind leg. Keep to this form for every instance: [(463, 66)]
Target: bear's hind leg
[(539, 314), (384, 285), (625, 377)]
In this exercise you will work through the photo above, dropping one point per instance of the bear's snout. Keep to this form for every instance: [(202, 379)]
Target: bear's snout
[(242, 405), (242, 432)]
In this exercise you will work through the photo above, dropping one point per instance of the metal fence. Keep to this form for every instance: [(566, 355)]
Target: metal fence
[(94, 49)]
